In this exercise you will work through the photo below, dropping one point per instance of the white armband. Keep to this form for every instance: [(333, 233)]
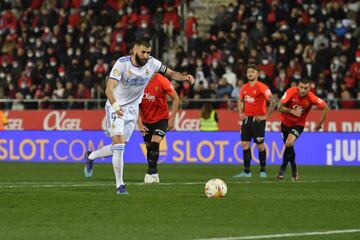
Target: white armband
[(116, 106)]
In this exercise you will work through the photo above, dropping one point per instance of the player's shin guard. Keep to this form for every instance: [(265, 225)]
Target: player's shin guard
[(118, 163), (247, 159), (153, 157), (289, 154), (262, 159)]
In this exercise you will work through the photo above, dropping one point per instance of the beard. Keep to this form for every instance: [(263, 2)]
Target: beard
[(139, 61)]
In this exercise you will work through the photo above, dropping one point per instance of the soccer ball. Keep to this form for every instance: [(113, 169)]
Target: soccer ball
[(215, 188)]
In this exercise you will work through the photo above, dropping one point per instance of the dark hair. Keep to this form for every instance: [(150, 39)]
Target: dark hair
[(142, 42), (206, 109), (253, 66), (304, 80)]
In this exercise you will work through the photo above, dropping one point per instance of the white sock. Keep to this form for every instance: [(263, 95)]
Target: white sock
[(105, 151), (118, 163)]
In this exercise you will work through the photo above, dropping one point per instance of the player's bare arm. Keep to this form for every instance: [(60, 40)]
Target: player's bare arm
[(282, 108), (240, 105), (323, 117), (109, 91), (174, 108), (179, 76), (142, 128)]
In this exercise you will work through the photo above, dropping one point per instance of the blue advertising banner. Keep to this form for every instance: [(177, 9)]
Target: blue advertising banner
[(178, 147)]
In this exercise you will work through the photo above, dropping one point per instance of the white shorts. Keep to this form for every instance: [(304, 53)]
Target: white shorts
[(124, 125)]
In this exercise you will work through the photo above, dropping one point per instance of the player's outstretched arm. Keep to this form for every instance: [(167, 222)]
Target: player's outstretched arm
[(179, 76), (109, 91), (174, 108), (323, 117)]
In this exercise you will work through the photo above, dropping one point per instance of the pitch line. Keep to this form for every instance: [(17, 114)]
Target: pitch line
[(96, 184), (286, 235)]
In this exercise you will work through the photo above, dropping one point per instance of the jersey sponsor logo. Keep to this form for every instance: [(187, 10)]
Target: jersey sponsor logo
[(136, 81), (298, 107), (148, 96), (156, 88), (249, 99), (268, 92), (259, 139), (295, 132), (56, 120)]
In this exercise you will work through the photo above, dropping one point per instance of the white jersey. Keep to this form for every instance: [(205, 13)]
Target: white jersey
[(133, 80)]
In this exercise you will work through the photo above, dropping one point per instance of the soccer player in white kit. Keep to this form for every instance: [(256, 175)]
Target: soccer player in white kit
[(127, 81)]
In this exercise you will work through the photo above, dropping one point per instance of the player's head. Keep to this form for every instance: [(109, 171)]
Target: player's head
[(304, 87), (252, 72), (141, 51)]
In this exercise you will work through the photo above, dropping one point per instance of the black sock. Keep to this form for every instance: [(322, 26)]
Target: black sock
[(262, 159), (289, 155), (293, 163), (153, 157), (247, 159)]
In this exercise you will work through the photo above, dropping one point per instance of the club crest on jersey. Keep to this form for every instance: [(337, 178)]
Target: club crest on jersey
[(156, 88), (129, 73), (116, 72)]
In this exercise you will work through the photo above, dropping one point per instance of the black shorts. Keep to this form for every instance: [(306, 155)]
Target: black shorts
[(158, 128), (296, 130), (253, 129)]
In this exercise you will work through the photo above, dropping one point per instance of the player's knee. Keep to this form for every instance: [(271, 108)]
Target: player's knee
[(260, 147), (289, 143), (245, 145)]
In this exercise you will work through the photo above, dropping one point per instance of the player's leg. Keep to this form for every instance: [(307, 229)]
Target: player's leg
[(246, 136), (116, 126), (259, 138), (294, 133), (159, 131), (287, 153), (147, 140), (105, 151)]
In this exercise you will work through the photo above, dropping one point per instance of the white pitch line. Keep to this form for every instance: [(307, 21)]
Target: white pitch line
[(88, 184), (286, 235)]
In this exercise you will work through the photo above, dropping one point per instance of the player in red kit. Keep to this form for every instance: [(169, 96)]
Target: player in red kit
[(253, 113), (155, 121), (295, 106)]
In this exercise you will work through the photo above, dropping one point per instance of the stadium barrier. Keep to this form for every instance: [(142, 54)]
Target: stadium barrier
[(186, 120), (178, 147)]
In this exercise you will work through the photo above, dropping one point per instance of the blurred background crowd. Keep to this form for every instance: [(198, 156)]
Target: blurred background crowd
[(64, 49)]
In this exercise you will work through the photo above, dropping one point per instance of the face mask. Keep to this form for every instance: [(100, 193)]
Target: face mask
[(334, 76), (144, 25), (297, 37), (2, 75), (104, 52), (23, 85), (31, 40), (190, 14), (348, 36), (231, 60), (36, 30), (282, 50), (38, 43), (82, 13), (358, 59), (319, 91), (53, 64), (336, 61), (228, 70), (70, 52), (8, 79), (119, 39), (143, 12), (81, 40), (311, 38), (265, 61), (37, 54), (129, 10), (311, 11), (48, 76), (61, 74), (53, 40), (15, 64), (92, 40), (282, 75), (262, 75), (47, 30), (214, 64), (121, 12)]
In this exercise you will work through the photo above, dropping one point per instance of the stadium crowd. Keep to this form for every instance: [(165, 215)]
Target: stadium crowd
[(64, 49)]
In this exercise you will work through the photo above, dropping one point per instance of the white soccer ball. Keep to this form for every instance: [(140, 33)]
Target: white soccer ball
[(215, 188)]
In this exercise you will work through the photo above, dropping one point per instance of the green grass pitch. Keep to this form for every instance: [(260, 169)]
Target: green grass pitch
[(55, 201)]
